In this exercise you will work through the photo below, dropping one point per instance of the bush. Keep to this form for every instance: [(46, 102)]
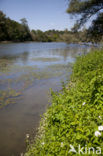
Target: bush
[(75, 114)]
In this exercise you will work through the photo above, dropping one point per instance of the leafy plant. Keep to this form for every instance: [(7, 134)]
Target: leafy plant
[(76, 112)]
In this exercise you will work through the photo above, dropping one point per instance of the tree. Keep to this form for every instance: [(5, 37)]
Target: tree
[(24, 22), (3, 31), (96, 30), (11, 30), (85, 9), (25, 29)]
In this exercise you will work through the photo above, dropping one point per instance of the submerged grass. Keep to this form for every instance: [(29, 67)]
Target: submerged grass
[(5, 65), (8, 97), (75, 114), (17, 78), (46, 59)]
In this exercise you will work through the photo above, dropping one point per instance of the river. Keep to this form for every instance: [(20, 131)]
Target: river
[(27, 72)]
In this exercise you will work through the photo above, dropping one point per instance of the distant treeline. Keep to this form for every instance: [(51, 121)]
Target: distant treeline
[(11, 30), (59, 36)]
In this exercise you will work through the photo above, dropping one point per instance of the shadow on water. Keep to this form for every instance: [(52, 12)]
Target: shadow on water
[(27, 71)]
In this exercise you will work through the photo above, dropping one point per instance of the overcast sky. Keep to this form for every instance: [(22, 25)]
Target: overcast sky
[(40, 14)]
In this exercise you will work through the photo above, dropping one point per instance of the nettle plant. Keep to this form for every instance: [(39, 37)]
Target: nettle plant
[(76, 114)]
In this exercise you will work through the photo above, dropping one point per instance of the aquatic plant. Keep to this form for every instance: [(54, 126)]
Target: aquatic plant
[(16, 78)]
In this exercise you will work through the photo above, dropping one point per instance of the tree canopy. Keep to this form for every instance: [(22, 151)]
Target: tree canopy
[(84, 8), (96, 29), (11, 30)]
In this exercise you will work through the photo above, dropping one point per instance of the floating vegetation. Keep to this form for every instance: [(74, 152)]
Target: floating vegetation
[(46, 59), (15, 78), (5, 65), (8, 97), (57, 66), (18, 68), (61, 67)]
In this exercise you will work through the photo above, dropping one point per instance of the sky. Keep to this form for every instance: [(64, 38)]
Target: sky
[(40, 14)]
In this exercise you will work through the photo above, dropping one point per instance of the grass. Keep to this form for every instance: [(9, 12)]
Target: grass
[(75, 114)]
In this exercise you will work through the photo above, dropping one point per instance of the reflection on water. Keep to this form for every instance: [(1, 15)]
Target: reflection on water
[(27, 71)]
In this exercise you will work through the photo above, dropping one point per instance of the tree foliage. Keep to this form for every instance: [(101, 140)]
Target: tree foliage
[(85, 8), (96, 30), (47, 36), (11, 30)]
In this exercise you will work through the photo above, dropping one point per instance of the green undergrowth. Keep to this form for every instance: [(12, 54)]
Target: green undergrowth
[(75, 114)]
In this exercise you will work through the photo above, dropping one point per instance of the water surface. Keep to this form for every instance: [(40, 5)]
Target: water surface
[(27, 71)]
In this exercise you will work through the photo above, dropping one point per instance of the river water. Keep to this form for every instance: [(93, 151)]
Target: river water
[(27, 72)]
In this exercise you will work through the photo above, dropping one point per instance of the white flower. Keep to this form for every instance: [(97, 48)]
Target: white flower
[(100, 128), (97, 133), (84, 103), (27, 136), (100, 117), (42, 143), (62, 144)]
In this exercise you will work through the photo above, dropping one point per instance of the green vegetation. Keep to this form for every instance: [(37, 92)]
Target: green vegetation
[(84, 10), (47, 36), (11, 30), (46, 59), (96, 30), (14, 78), (75, 113), (8, 97), (59, 36)]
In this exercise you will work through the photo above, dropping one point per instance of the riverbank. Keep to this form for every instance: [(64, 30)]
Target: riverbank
[(76, 113), (26, 71)]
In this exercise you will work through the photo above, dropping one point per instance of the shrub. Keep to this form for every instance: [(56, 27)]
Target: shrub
[(76, 112)]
